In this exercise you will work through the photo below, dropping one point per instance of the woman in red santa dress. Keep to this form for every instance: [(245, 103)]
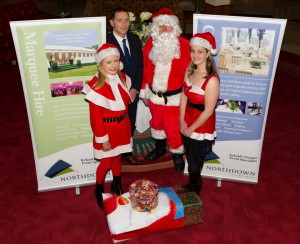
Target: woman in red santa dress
[(197, 106), (108, 97)]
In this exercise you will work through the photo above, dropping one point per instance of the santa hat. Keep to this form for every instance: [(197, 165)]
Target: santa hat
[(106, 50), (206, 40), (166, 17)]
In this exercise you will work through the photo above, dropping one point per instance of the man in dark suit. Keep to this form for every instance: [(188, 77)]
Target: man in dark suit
[(130, 48)]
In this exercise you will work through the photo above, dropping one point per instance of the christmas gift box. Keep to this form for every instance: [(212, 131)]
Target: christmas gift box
[(176, 208)]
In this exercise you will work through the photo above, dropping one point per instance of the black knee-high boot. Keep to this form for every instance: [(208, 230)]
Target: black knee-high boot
[(116, 185), (159, 150), (195, 165), (98, 193)]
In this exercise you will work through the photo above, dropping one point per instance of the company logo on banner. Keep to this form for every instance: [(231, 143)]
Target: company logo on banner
[(248, 51), (56, 58), (59, 168)]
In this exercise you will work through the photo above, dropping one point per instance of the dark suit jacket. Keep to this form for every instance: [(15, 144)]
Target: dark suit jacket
[(136, 70)]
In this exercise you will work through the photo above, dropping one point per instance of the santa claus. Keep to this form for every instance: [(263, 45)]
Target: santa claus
[(166, 58)]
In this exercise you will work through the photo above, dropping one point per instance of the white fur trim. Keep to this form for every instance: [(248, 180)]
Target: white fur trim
[(145, 93), (203, 43), (102, 139), (166, 20), (172, 100), (206, 136), (161, 77), (178, 150), (100, 100), (105, 53), (158, 134), (114, 152)]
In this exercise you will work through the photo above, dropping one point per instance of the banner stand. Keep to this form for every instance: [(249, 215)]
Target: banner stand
[(77, 190)]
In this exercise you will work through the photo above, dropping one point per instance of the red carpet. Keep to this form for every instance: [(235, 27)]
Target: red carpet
[(235, 213)]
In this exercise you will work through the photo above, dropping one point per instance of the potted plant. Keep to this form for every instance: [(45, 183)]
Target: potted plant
[(54, 65), (256, 63), (78, 61)]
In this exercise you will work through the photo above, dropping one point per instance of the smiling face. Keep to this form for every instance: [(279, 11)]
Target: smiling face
[(120, 23), (110, 64), (198, 55)]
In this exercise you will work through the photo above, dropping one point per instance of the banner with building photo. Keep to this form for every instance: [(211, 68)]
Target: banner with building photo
[(56, 59), (248, 51)]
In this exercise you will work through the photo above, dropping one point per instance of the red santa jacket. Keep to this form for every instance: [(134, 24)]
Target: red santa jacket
[(172, 73)]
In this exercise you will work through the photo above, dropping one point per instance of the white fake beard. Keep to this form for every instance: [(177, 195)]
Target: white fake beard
[(165, 48)]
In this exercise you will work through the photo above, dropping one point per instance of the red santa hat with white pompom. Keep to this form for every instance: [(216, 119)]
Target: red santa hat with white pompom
[(165, 16), (106, 50), (205, 40)]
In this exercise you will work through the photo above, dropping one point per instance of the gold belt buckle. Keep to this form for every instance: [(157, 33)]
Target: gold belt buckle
[(159, 94)]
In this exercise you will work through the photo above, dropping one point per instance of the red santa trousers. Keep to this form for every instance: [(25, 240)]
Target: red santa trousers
[(165, 124)]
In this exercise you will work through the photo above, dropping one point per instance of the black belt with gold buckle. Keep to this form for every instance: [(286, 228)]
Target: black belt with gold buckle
[(167, 93), (115, 119)]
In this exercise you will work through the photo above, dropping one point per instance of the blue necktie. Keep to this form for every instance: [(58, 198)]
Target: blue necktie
[(126, 52)]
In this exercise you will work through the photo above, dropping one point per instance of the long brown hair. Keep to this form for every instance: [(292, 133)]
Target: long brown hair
[(102, 77), (211, 67)]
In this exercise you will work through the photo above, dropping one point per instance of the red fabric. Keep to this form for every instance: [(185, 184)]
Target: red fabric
[(165, 118), (192, 114), (106, 164), (165, 11), (117, 133), (165, 223)]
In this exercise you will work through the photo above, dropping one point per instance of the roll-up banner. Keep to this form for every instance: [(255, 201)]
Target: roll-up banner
[(56, 58), (248, 51)]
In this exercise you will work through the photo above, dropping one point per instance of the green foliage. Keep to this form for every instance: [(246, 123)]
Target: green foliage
[(54, 65)]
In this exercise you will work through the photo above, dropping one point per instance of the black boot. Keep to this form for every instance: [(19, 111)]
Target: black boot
[(178, 162), (193, 184), (195, 165), (98, 193), (116, 185), (159, 150)]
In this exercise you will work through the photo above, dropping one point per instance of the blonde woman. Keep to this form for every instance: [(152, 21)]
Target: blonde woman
[(108, 97)]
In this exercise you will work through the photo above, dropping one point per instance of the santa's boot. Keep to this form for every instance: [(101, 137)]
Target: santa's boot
[(116, 185), (159, 150), (98, 193), (178, 162)]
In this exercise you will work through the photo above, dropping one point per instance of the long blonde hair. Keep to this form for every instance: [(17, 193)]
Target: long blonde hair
[(211, 67), (102, 77)]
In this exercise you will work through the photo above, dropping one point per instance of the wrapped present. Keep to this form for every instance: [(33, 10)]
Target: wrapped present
[(193, 213), (176, 208)]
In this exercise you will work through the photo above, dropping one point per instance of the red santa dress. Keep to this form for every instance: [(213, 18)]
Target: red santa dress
[(109, 116), (202, 139), (161, 78)]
